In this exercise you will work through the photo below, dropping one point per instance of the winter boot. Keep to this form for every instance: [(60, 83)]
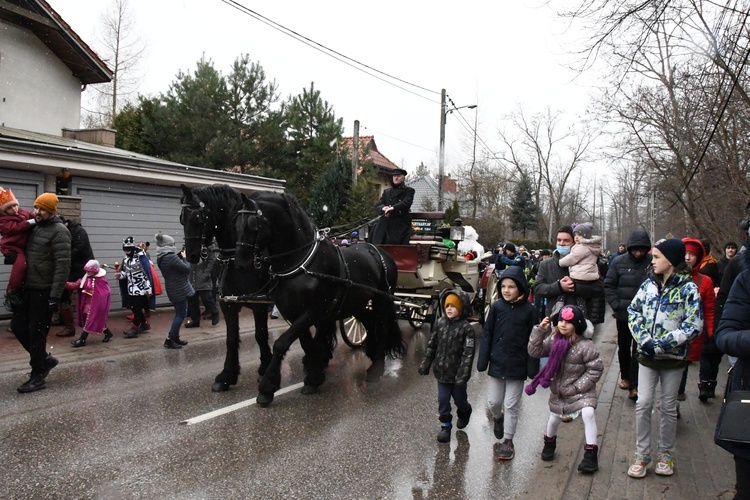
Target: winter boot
[(704, 390), (132, 332), (497, 429), (590, 462), (81, 341), (171, 344), (66, 315), (463, 418), (107, 335), (179, 341), (550, 443), (145, 326), (712, 389), (444, 436)]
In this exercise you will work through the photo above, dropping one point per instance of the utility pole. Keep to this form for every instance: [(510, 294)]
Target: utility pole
[(355, 152), (441, 158)]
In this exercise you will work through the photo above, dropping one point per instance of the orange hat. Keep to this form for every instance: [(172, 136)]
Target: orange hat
[(7, 199), (47, 201), (453, 300)]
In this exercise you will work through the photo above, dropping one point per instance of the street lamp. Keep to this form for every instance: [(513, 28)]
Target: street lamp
[(441, 161)]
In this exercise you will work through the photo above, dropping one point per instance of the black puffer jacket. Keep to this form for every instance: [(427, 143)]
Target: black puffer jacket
[(503, 347), (175, 271), (626, 275), (450, 349), (48, 257), (733, 338)]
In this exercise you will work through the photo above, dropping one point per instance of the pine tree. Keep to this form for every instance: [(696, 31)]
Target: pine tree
[(524, 214)]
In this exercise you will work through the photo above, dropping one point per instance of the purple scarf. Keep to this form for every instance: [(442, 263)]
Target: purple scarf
[(559, 349)]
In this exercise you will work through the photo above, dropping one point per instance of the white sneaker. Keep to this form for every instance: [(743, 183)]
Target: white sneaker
[(665, 464), (639, 465)]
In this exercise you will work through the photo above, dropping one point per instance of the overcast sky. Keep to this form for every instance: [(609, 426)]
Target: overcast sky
[(498, 55)]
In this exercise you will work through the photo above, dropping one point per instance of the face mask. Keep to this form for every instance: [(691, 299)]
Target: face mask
[(563, 250)]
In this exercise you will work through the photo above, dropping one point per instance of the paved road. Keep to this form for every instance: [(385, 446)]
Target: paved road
[(110, 425)]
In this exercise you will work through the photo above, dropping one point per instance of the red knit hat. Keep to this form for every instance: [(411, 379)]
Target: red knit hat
[(695, 247)]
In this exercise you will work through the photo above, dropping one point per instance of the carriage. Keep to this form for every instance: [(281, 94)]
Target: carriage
[(426, 267)]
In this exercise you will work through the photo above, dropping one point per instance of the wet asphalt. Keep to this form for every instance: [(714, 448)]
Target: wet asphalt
[(111, 424)]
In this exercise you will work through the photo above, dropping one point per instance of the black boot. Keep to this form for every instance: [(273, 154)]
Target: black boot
[(590, 462), (712, 389), (444, 436), (550, 443), (703, 390), (463, 418), (107, 335), (81, 341), (171, 344), (178, 340), (498, 429)]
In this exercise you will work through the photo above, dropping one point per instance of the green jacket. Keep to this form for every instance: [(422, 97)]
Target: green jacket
[(48, 257)]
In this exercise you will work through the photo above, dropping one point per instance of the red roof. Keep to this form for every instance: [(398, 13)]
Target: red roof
[(368, 150)]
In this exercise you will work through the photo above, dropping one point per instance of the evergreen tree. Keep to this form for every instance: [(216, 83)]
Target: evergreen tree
[(331, 192), (452, 213), (525, 214)]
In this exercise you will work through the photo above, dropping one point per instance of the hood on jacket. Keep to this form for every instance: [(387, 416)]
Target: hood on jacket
[(465, 308), (516, 274), (638, 239), (695, 242)]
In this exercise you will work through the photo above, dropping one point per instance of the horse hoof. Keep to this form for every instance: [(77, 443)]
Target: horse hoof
[(264, 400), (220, 387), (309, 389)]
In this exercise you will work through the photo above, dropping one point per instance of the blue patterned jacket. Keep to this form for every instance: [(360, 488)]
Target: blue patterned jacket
[(670, 314)]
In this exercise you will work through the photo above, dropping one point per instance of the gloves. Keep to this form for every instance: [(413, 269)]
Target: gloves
[(54, 306), (423, 370), (648, 348)]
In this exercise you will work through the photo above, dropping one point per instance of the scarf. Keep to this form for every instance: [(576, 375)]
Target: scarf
[(559, 349), (165, 250)]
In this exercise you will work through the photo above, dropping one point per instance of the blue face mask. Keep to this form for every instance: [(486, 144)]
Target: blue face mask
[(563, 250)]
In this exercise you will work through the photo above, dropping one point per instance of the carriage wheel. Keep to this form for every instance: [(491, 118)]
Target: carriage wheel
[(491, 295), (417, 317), (353, 332)]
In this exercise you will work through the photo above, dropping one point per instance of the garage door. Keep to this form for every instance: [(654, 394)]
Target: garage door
[(113, 210), (26, 186)]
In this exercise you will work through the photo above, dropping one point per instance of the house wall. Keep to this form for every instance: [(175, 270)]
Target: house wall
[(38, 92)]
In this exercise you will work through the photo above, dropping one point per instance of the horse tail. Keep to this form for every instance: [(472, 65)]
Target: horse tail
[(393, 341)]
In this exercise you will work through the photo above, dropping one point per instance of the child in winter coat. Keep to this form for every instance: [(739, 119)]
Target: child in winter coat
[(137, 282), (583, 260), (15, 224), (572, 371), (94, 297), (451, 349), (664, 316), (503, 349)]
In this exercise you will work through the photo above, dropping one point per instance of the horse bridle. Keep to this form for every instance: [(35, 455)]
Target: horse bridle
[(253, 225), (203, 215)]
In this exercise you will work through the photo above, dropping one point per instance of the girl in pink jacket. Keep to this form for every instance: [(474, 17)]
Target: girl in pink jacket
[(94, 297)]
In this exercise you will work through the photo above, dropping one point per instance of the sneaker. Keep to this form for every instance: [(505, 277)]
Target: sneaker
[(35, 383), (444, 436), (131, 333), (639, 465), (145, 327), (664, 465), (507, 450), (179, 341)]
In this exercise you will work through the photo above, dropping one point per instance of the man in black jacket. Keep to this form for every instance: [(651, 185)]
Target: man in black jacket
[(80, 254), (394, 228), (48, 259), (624, 278)]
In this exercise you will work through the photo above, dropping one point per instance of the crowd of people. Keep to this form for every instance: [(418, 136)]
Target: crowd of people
[(53, 264)]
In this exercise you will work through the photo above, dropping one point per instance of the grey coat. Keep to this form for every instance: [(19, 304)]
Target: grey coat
[(175, 272), (573, 387)]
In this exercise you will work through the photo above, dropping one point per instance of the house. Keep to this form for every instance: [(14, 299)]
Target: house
[(44, 65), (368, 151), (426, 192)]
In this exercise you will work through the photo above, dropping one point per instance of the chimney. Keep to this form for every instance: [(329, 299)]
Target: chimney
[(100, 136)]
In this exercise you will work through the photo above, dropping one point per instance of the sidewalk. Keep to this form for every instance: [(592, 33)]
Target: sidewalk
[(702, 469), (13, 358)]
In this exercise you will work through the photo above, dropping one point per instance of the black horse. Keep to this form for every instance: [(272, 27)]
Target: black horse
[(316, 283), (208, 212)]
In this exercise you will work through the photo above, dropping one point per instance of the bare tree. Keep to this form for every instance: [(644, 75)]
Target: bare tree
[(122, 50)]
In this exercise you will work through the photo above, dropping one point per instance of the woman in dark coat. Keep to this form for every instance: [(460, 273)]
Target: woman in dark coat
[(733, 338), (394, 227), (175, 270)]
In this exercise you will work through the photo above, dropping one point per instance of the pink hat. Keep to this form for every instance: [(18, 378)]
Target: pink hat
[(93, 266)]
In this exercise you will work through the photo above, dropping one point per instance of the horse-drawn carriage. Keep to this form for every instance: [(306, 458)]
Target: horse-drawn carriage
[(426, 266)]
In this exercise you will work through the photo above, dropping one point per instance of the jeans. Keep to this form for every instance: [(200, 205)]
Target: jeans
[(626, 353), (30, 325), (180, 313), (670, 382), (505, 392), (460, 397), (205, 296)]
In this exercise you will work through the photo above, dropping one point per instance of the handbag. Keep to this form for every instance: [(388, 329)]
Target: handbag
[(732, 427)]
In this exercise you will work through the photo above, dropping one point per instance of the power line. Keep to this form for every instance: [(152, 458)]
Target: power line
[(397, 139), (330, 52)]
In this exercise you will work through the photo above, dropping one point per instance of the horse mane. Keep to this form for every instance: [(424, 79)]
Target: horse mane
[(289, 204), (217, 196)]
